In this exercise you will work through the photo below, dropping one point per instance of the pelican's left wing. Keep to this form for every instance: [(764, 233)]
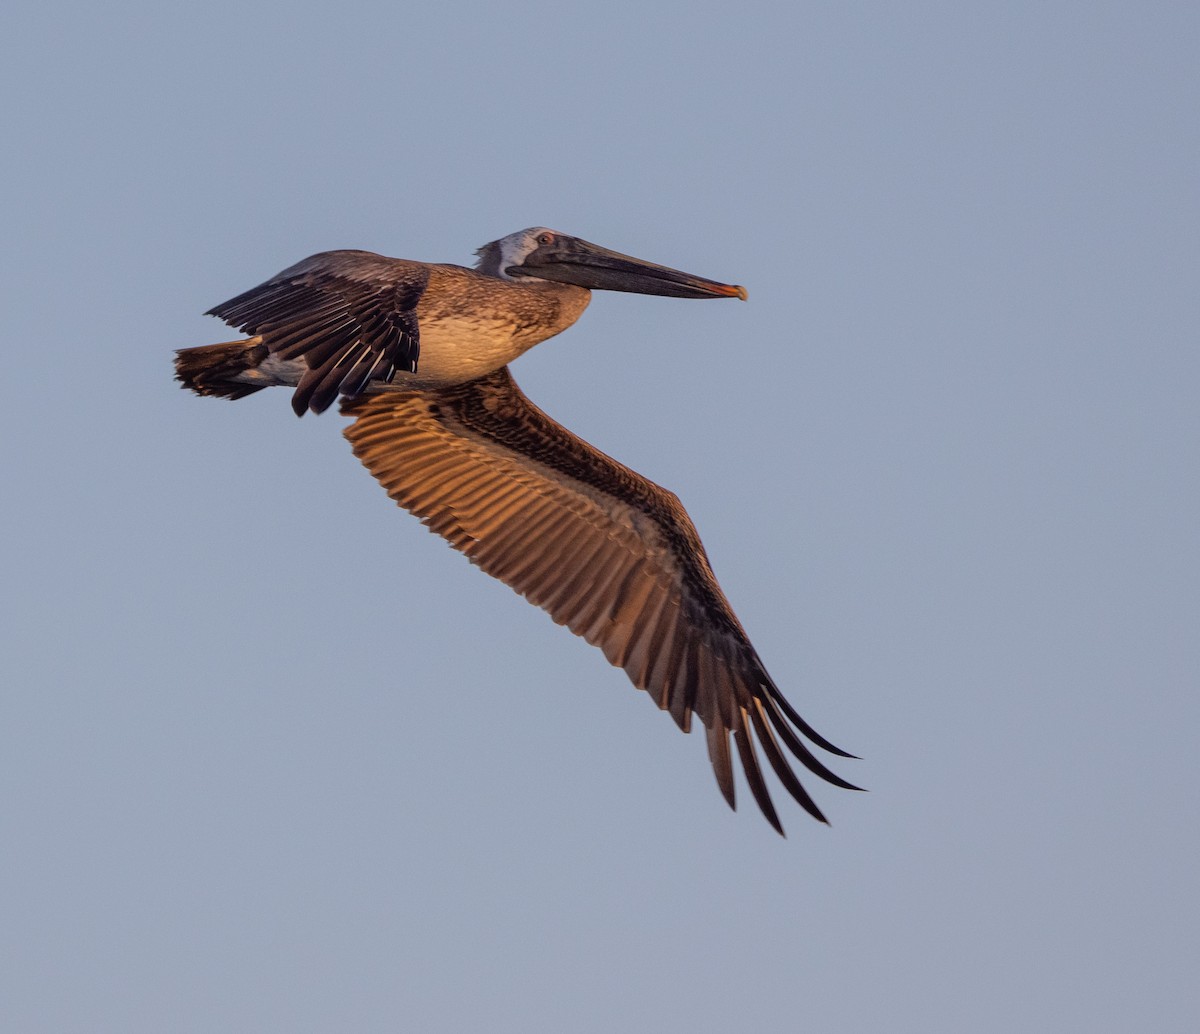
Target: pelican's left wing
[(606, 552), (349, 315)]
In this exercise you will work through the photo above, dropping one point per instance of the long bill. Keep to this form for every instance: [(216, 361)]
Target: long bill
[(570, 260)]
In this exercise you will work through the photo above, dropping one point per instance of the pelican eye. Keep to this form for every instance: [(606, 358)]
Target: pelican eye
[(545, 238)]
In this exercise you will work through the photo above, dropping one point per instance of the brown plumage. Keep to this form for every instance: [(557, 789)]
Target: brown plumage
[(604, 551)]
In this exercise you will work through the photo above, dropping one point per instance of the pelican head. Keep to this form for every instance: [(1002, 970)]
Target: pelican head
[(542, 254)]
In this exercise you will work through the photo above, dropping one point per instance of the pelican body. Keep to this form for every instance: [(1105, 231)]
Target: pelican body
[(419, 353)]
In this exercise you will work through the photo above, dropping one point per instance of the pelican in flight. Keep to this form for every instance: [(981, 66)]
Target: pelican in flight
[(418, 353)]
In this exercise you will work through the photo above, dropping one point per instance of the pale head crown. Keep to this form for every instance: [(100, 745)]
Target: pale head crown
[(496, 256)]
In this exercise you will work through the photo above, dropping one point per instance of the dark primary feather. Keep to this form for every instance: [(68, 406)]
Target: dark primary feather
[(604, 551), (350, 315)]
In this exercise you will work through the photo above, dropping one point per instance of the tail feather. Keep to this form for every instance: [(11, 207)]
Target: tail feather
[(225, 370)]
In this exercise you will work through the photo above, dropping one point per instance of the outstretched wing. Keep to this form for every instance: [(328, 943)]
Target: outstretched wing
[(350, 315), (606, 552)]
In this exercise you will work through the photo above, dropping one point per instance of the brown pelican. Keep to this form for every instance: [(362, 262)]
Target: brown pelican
[(419, 354)]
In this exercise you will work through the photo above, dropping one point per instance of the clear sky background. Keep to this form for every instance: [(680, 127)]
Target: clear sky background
[(274, 758)]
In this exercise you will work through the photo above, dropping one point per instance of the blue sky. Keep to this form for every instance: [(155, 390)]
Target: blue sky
[(273, 758)]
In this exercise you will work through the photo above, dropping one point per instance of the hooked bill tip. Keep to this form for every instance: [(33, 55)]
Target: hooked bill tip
[(731, 291)]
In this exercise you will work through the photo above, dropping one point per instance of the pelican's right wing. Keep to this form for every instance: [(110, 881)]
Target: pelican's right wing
[(604, 551)]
